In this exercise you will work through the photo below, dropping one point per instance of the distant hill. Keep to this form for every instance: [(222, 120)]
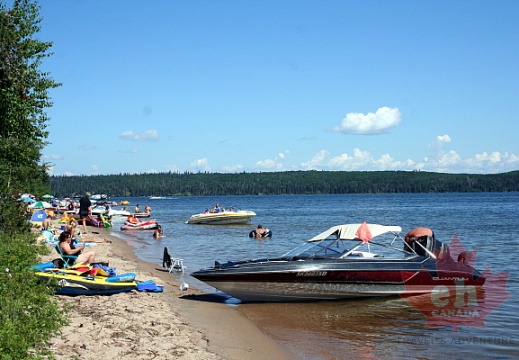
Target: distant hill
[(277, 183)]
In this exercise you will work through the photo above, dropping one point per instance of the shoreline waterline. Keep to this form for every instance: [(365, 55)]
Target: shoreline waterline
[(184, 326)]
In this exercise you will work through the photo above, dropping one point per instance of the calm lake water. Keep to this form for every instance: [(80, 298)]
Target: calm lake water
[(368, 329)]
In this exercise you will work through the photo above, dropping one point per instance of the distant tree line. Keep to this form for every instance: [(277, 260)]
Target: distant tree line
[(281, 183)]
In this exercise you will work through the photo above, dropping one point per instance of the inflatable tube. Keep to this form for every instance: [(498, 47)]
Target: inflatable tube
[(145, 225), (105, 220), (264, 235)]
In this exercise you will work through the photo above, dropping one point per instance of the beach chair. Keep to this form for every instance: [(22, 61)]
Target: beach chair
[(170, 263), (68, 259)]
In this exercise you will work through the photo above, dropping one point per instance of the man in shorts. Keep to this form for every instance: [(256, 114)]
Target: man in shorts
[(85, 210)]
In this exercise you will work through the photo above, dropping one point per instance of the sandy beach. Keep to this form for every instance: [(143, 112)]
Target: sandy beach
[(174, 324)]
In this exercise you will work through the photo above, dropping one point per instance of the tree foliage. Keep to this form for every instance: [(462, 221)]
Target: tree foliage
[(28, 314), (23, 98), (279, 183)]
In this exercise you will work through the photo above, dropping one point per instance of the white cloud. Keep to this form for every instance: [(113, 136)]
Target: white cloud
[(269, 164), (316, 162), (371, 123), (360, 160), (200, 165), (232, 168), (148, 135), (494, 157), (437, 145), (273, 164)]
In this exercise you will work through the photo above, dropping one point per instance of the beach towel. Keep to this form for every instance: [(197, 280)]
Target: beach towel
[(149, 286)]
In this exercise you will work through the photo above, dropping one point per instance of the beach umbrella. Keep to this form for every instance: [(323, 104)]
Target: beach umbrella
[(40, 204), (27, 195), (47, 196), (27, 199)]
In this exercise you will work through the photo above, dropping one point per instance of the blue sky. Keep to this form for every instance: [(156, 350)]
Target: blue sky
[(234, 86)]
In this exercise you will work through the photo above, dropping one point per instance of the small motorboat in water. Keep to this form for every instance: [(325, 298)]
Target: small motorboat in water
[(98, 209), (142, 215), (225, 216), (346, 261)]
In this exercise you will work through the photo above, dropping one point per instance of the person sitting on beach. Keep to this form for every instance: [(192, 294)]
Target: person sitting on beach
[(137, 209), (147, 209), (46, 224), (158, 232), (67, 247)]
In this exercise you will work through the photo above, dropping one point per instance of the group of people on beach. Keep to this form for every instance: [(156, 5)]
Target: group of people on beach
[(70, 240)]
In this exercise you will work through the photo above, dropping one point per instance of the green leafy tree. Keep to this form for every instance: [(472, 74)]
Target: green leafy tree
[(23, 99), (28, 314)]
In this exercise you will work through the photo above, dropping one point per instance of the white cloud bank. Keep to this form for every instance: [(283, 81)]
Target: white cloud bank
[(273, 164), (200, 165), (148, 135), (378, 122), (439, 160)]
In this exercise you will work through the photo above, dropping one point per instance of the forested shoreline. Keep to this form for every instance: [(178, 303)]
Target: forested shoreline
[(281, 183)]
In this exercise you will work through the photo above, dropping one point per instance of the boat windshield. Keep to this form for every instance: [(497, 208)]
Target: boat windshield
[(324, 248), (337, 248)]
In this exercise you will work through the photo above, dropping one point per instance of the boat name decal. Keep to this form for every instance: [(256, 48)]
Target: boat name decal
[(311, 273), (450, 278)]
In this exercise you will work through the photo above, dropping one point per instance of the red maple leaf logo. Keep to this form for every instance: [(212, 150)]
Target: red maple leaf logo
[(457, 302)]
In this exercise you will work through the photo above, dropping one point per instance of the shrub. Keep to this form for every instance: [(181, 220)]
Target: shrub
[(29, 314)]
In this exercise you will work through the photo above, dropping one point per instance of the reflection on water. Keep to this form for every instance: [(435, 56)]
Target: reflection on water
[(367, 329), (362, 328)]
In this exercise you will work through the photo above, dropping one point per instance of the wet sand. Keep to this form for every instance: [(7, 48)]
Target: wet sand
[(174, 324)]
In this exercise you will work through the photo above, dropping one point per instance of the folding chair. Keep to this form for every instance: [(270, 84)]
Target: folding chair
[(68, 259), (170, 263)]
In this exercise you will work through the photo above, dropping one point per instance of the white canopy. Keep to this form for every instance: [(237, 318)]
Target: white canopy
[(349, 231)]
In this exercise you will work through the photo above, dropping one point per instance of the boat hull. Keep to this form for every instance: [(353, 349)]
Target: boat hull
[(287, 281), (224, 218)]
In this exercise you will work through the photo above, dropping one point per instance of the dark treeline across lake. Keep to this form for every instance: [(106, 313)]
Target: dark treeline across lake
[(282, 183)]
